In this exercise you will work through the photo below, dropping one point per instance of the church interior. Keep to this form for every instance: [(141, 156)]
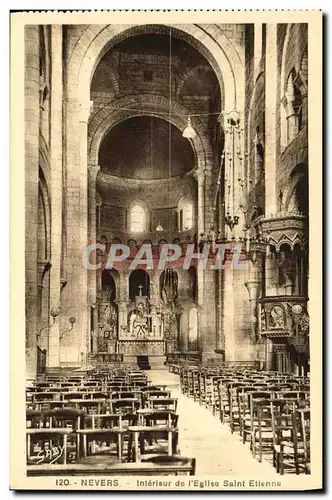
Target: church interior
[(191, 138)]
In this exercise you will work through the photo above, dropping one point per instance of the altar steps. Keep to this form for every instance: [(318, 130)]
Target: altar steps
[(143, 362)]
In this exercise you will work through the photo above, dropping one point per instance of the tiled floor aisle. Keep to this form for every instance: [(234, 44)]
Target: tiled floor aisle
[(201, 435)]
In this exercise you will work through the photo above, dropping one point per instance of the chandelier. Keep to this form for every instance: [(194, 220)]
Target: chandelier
[(232, 163), (234, 168)]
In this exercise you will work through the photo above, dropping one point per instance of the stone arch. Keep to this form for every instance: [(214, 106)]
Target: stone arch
[(258, 80), (106, 118), (110, 284), (283, 82), (44, 215), (298, 176), (141, 276), (95, 41)]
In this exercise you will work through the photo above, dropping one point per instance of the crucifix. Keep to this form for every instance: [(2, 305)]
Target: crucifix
[(140, 287)]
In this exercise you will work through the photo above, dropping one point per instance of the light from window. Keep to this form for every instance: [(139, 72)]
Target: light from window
[(187, 217), (137, 219)]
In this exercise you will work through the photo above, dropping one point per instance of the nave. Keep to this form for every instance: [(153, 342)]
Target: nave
[(202, 435), (197, 421)]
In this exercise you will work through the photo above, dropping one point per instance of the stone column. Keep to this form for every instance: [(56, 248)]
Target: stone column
[(291, 114), (53, 357), (122, 311), (83, 278), (229, 333), (269, 354), (31, 192), (220, 344), (200, 176), (92, 238), (281, 357), (270, 275), (94, 328), (76, 292), (184, 329), (254, 289), (271, 88)]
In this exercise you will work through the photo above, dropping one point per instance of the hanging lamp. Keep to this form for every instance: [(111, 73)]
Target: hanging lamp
[(189, 131)]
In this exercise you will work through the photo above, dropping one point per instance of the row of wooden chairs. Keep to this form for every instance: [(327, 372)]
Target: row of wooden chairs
[(75, 422), (269, 410)]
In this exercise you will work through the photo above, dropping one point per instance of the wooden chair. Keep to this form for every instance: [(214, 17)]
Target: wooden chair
[(251, 419), (164, 437), (287, 447), (124, 405), (159, 404), (47, 445), (160, 418), (34, 418), (105, 430), (223, 399), (262, 432), (234, 411)]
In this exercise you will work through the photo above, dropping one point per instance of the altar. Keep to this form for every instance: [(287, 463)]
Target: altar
[(148, 347), (139, 327)]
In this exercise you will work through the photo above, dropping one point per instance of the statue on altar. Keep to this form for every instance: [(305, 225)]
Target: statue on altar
[(139, 318)]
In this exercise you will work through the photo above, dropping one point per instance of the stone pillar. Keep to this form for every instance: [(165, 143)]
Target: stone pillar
[(270, 275), (220, 342), (229, 333), (271, 89), (94, 328), (184, 329), (281, 357), (76, 292), (200, 175), (254, 289), (31, 192), (83, 141), (92, 238), (53, 357), (269, 354), (43, 304), (122, 311)]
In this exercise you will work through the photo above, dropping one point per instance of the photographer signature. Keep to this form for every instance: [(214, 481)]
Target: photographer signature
[(52, 454)]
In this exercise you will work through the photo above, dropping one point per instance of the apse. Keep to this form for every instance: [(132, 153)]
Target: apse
[(145, 148)]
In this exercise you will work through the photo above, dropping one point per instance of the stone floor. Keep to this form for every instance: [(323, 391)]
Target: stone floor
[(202, 435)]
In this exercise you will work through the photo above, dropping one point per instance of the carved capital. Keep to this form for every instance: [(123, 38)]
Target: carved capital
[(93, 172), (200, 176), (85, 110)]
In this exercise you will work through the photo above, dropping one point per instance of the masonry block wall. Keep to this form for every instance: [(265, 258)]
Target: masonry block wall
[(292, 57)]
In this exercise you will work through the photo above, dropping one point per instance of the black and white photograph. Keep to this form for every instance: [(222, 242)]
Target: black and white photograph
[(169, 304)]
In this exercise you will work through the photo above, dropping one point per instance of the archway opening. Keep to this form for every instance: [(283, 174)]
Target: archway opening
[(139, 284)]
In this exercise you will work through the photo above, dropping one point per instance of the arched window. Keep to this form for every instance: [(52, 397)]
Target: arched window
[(186, 215), (293, 105), (138, 218)]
